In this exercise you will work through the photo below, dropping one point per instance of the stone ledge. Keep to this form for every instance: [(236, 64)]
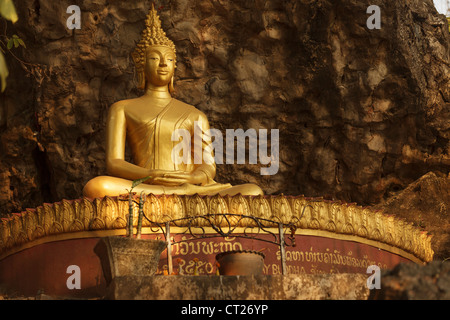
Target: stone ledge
[(413, 282), (344, 286)]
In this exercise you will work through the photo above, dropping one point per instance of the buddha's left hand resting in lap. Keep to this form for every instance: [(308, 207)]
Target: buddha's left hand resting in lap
[(147, 124)]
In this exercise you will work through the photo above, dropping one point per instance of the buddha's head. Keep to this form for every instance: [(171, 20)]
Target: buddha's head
[(154, 55)]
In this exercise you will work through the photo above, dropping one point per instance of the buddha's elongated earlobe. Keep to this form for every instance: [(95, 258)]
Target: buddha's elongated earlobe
[(171, 88), (141, 80)]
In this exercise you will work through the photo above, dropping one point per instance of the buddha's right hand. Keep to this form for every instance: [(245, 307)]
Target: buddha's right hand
[(177, 178), (157, 174)]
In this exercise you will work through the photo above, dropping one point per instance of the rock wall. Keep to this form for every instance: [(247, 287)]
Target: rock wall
[(425, 202), (413, 282), (344, 286), (361, 113)]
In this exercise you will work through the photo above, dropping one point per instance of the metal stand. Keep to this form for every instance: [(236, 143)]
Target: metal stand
[(282, 249), (169, 248)]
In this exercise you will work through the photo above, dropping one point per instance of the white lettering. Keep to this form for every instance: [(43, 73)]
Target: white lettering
[(274, 158), (213, 150), (74, 21), (374, 281), (374, 21), (241, 135), (74, 281), (198, 310), (183, 147)]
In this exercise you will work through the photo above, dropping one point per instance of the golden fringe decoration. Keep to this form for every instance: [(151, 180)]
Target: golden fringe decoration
[(310, 215)]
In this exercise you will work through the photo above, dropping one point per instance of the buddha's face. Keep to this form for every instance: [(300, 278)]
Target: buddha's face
[(159, 65)]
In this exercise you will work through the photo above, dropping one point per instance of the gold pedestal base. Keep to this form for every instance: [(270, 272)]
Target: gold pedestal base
[(83, 218)]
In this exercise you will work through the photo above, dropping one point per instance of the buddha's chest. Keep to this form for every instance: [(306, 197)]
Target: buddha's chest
[(137, 118), (166, 118)]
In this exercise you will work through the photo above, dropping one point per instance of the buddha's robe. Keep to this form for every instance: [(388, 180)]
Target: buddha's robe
[(152, 146)]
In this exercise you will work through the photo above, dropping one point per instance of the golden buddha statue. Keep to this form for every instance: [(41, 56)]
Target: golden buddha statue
[(147, 123)]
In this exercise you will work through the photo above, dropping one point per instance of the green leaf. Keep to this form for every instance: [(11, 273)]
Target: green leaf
[(3, 71), (21, 43), (138, 182), (10, 43), (16, 43), (8, 11)]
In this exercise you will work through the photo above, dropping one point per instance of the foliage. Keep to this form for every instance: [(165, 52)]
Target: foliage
[(130, 209), (16, 42), (3, 71), (8, 11), (138, 182)]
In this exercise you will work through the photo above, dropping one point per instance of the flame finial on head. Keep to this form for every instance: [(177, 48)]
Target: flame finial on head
[(152, 35)]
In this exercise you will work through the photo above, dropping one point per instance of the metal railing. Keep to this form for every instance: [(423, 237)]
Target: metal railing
[(226, 225)]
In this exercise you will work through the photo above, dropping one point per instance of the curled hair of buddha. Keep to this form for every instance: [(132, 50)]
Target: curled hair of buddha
[(153, 35)]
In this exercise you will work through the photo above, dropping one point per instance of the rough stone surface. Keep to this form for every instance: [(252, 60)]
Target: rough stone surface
[(123, 256), (415, 282), (426, 203), (290, 287), (362, 113)]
